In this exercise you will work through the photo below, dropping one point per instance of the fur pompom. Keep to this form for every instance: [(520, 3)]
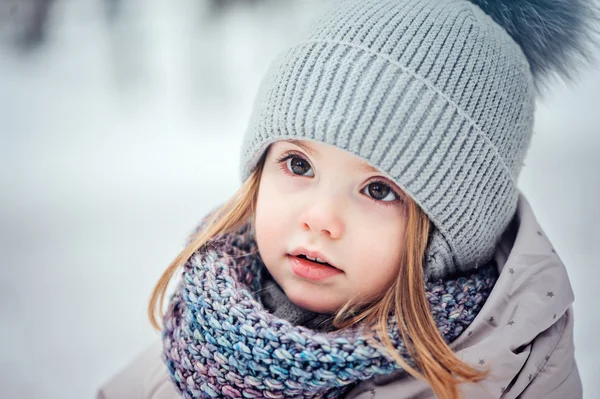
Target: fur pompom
[(555, 35)]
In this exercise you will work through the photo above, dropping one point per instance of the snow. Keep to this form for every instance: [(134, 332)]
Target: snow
[(118, 135)]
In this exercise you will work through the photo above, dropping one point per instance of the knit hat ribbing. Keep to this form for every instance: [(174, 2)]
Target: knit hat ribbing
[(433, 93)]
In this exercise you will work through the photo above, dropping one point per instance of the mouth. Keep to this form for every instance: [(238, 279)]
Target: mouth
[(312, 256), (312, 265), (315, 260)]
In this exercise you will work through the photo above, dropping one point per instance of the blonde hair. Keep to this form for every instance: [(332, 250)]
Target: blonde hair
[(405, 296)]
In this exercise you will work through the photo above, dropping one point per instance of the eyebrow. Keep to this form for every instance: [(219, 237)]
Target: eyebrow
[(305, 147), (363, 167)]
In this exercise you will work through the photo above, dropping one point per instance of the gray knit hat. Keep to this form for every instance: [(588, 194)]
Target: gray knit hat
[(437, 94)]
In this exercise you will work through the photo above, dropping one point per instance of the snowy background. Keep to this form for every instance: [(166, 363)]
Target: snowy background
[(120, 127)]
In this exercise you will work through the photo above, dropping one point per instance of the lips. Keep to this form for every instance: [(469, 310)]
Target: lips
[(312, 256), (312, 265), (310, 270), (316, 260)]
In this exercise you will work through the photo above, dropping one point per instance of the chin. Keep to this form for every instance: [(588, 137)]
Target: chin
[(311, 298)]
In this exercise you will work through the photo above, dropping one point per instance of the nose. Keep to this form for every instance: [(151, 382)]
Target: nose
[(324, 218)]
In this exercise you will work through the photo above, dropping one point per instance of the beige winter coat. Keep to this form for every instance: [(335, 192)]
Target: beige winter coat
[(524, 333)]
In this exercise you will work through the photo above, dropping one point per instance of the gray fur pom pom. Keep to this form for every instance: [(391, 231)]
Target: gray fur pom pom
[(555, 35)]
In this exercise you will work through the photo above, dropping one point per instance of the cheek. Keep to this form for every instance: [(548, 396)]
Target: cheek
[(264, 217), (271, 216), (377, 251), (278, 199)]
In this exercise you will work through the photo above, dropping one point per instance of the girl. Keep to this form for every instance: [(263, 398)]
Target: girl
[(379, 246)]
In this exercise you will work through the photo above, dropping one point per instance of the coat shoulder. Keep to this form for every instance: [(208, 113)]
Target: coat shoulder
[(146, 377), (558, 376)]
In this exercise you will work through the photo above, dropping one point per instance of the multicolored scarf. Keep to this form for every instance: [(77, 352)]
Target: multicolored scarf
[(221, 342)]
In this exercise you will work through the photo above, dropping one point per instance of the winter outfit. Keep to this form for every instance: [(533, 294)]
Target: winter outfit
[(219, 341), (523, 333), (439, 96)]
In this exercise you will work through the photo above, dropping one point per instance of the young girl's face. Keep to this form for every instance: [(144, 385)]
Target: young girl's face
[(318, 201)]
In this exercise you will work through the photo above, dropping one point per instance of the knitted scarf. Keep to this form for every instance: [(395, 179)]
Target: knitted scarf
[(221, 342)]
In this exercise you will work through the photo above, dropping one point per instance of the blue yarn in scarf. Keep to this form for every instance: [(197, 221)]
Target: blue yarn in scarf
[(220, 341)]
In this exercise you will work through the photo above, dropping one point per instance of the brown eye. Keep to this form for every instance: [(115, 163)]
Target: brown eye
[(380, 191), (299, 166)]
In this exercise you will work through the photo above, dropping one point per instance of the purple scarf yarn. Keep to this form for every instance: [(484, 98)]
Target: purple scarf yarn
[(220, 342)]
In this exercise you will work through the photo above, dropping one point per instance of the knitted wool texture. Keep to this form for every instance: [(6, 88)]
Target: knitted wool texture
[(219, 341), (434, 94)]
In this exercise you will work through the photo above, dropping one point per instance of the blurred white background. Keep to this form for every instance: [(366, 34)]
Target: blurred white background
[(120, 127)]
